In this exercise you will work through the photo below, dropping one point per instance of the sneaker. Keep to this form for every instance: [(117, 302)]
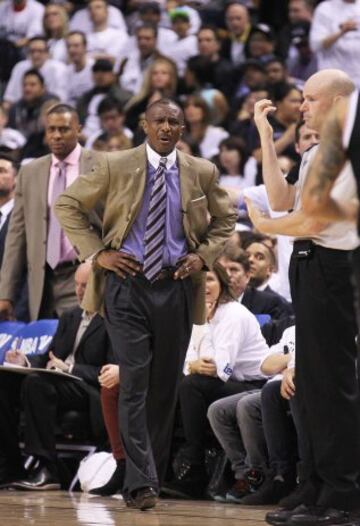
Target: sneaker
[(239, 490)]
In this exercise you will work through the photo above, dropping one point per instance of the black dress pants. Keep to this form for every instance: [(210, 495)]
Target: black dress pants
[(150, 327), (197, 392), (326, 383), (355, 260), (41, 397)]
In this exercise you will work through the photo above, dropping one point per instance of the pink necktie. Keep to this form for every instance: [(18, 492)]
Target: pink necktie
[(53, 252)]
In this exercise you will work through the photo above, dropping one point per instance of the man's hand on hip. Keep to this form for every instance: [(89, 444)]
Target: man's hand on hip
[(6, 310), (119, 262), (189, 264)]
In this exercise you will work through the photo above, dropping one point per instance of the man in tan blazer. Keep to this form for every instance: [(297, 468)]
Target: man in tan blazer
[(33, 232), (165, 221)]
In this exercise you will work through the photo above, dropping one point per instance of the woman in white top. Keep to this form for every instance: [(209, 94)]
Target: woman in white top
[(56, 25), (223, 358)]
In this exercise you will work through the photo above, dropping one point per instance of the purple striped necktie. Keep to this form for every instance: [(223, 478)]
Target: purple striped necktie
[(155, 225)]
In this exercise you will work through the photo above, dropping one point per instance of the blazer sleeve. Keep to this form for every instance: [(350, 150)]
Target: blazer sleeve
[(14, 261), (222, 222), (74, 205)]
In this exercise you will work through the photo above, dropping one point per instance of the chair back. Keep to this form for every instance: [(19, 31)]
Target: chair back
[(35, 337)]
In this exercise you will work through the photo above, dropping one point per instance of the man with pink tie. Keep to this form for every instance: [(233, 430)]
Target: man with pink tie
[(35, 239)]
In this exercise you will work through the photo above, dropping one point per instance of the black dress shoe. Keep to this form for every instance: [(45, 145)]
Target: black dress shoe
[(114, 485), (38, 480), (142, 499), (281, 516), (318, 516), (189, 483)]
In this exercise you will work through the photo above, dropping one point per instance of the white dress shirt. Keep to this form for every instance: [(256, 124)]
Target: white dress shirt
[(5, 210), (81, 20), (233, 340), (110, 41), (78, 82), (285, 346)]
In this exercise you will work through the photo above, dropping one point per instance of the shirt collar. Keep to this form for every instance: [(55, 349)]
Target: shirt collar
[(154, 158), (6, 208), (73, 157), (240, 298)]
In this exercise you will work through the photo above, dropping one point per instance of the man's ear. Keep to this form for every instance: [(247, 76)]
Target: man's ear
[(182, 129), (144, 125)]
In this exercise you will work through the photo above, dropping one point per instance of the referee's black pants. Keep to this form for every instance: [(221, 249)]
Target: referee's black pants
[(326, 382), (150, 327)]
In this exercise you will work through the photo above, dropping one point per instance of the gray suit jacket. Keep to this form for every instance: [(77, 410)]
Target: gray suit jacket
[(27, 235)]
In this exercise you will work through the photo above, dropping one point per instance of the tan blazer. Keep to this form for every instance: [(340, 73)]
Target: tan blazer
[(120, 182), (27, 235)]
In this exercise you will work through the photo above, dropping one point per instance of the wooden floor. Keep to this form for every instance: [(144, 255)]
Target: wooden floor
[(65, 509)]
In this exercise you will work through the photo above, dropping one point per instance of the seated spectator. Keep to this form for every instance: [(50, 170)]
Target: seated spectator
[(243, 124), (11, 140), (160, 81), (237, 171), (237, 265), (79, 78), (287, 100), (260, 44), (81, 20), (104, 41), (20, 20), (276, 71), (185, 46), (304, 63), (105, 85), (262, 262), (80, 347), (190, 8), (223, 358), (133, 67), (24, 114), (250, 76), (249, 425), (113, 143), (199, 131), (53, 72), (209, 45), (238, 24), (149, 13), (55, 25), (112, 118), (279, 430), (335, 36), (299, 12), (36, 144), (7, 186), (199, 80)]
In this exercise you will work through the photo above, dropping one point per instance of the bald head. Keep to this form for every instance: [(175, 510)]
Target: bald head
[(81, 278), (320, 92), (237, 18)]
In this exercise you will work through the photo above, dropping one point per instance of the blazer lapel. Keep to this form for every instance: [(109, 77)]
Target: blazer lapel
[(187, 179), (43, 177), (92, 327), (137, 172)]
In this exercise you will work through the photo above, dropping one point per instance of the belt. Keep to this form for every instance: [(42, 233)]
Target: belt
[(165, 273)]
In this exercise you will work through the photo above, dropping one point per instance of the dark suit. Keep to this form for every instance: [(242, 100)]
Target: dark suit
[(21, 298), (266, 302), (42, 396)]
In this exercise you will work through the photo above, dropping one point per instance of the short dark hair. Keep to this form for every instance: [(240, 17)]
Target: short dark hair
[(34, 73), (164, 102), (147, 25), (149, 7), (80, 33), (276, 60), (61, 108), (6, 157), (109, 104), (280, 90), (38, 37), (261, 239)]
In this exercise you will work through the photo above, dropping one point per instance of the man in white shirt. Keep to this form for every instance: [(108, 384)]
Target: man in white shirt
[(53, 71), (79, 73), (238, 23), (134, 65), (81, 21), (104, 41), (325, 318), (335, 36), (186, 44), (21, 20)]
